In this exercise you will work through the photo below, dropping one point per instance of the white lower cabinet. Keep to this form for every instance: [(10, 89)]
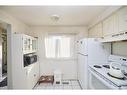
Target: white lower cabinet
[(32, 75)]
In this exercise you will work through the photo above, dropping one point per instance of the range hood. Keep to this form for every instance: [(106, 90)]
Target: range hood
[(115, 37)]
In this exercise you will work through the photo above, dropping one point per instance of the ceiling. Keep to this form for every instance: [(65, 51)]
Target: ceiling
[(41, 15)]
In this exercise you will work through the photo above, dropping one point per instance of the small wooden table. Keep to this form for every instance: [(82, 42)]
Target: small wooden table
[(46, 79)]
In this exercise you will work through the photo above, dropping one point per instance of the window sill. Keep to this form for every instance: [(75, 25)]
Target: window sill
[(60, 59)]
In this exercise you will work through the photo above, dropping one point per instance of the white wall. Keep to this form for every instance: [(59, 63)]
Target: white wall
[(68, 67), (16, 26)]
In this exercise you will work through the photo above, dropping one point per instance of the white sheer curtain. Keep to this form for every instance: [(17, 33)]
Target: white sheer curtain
[(64, 47), (59, 46), (50, 47)]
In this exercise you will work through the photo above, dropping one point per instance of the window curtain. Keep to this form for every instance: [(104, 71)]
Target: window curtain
[(59, 46)]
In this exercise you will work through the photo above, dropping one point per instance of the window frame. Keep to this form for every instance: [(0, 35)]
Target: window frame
[(72, 54)]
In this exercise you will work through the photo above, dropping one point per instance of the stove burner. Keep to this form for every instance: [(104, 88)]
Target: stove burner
[(106, 66), (116, 77), (97, 66)]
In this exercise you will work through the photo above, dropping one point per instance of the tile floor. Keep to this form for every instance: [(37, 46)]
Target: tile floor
[(73, 85)]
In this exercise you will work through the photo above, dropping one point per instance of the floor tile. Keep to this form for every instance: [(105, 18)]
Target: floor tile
[(57, 84), (40, 87), (50, 87), (74, 83), (45, 84), (58, 87), (67, 87), (76, 87), (68, 81)]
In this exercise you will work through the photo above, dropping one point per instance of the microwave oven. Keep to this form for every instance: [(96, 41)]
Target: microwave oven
[(29, 59)]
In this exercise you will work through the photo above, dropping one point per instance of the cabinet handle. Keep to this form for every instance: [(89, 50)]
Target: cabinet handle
[(115, 35), (121, 34)]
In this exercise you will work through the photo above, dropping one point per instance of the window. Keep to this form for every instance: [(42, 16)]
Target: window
[(58, 46)]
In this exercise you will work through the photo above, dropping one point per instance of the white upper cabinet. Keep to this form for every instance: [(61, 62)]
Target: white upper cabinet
[(96, 31), (122, 17), (29, 44), (110, 25), (99, 30), (34, 44), (91, 32), (113, 28)]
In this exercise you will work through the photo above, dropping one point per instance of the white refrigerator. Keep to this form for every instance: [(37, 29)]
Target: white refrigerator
[(1, 59), (90, 51)]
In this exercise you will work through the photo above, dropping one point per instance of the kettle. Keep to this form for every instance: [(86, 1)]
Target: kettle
[(115, 70)]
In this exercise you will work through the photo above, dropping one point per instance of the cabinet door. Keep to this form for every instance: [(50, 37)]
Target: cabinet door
[(122, 16), (111, 25), (91, 32), (36, 73), (34, 44), (33, 75), (108, 25), (30, 79), (96, 31), (26, 44), (29, 44), (116, 24)]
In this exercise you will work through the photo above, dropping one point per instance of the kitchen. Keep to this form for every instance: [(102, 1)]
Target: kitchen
[(57, 52)]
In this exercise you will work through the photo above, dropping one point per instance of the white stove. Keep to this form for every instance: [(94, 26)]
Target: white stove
[(101, 72)]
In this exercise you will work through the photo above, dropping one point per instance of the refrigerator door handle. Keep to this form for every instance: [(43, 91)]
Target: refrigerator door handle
[(83, 54)]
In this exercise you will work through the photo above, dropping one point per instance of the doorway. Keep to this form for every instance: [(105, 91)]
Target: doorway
[(3, 55)]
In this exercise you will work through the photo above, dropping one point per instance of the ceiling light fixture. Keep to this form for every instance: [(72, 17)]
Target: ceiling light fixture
[(55, 18)]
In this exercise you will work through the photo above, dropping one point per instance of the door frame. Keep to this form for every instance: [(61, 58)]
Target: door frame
[(9, 54)]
